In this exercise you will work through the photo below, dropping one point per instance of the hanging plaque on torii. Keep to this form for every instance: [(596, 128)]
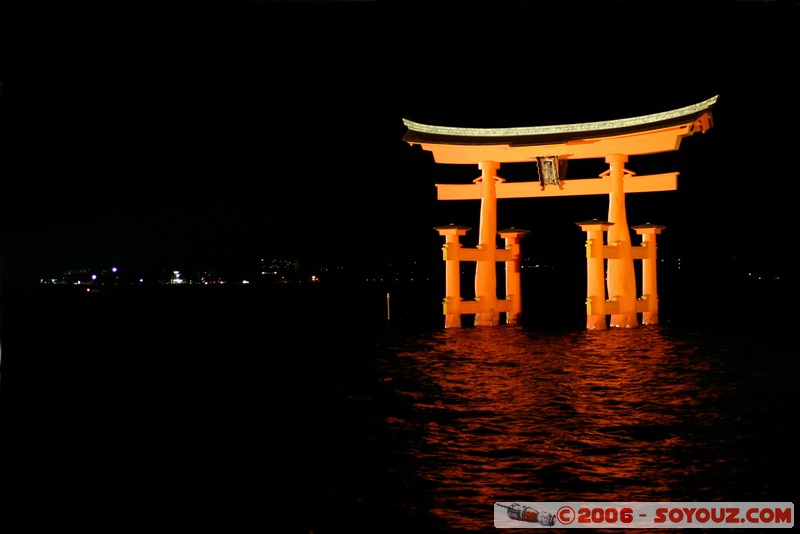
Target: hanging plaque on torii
[(551, 147)]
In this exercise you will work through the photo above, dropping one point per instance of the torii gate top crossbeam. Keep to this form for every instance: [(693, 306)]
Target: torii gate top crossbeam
[(646, 134)]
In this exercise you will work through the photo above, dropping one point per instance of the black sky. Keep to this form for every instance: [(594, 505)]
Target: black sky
[(237, 130)]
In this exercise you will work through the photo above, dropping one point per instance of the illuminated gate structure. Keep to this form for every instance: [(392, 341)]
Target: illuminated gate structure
[(550, 147)]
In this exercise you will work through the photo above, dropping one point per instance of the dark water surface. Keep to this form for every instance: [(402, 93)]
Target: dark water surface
[(302, 409)]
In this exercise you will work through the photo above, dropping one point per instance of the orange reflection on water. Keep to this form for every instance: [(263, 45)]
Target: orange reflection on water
[(506, 415)]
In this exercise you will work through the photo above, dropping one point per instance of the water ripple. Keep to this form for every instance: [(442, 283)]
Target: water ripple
[(505, 414)]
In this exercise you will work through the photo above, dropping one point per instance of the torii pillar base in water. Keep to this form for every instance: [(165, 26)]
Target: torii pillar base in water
[(513, 265), (597, 252), (649, 286), (453, 254), (452, 260), (595, 273)]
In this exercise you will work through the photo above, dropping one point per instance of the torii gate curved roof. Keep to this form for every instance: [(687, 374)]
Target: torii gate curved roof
[(646, 134)]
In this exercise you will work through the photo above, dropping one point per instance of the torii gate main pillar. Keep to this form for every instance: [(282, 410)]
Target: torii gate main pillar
[(621, 279), (485, 268)]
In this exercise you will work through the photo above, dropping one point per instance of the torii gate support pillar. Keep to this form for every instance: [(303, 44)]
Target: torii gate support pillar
[(621, 278), (451, 252), (649, 263), (595, 273), (513, 281)]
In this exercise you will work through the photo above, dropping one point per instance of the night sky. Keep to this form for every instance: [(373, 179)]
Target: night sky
[(224, 133)]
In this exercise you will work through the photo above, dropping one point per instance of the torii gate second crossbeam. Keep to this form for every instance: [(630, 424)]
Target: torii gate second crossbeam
[(549, 147)]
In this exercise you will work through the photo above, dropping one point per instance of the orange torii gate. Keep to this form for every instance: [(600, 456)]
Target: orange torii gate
[(550, 147)]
